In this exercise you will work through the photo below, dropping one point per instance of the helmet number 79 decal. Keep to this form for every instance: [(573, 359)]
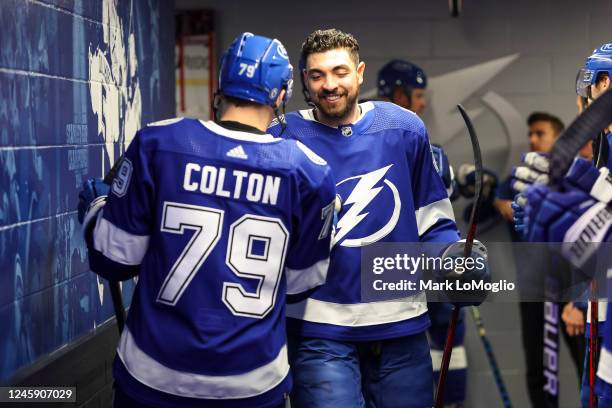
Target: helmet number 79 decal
[(248, 69)]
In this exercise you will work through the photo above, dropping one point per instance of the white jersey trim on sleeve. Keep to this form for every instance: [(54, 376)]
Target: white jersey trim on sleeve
[(359, 314), (604, 370), (458, 359), (119, 245), (427, 216), (191, 385), (301, 280)]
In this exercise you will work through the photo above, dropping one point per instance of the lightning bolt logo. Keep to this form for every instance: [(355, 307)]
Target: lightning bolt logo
[(362, 195)]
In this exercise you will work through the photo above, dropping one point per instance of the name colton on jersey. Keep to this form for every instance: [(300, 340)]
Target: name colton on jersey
[(211, 180)]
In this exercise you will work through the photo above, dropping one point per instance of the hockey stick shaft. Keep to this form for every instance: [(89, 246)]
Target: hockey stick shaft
[(600, 161), (467, 251), (499, 381)]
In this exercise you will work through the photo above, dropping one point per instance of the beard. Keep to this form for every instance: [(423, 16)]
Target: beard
[(337, 110)]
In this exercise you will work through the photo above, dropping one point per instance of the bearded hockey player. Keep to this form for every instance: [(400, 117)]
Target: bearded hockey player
[(220, 222), (347, 353)]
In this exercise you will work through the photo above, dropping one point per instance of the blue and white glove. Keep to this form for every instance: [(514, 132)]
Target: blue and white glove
[(584, 176), (580, 215), (92, 198), (518, 210), (533, 171), (475, 271)]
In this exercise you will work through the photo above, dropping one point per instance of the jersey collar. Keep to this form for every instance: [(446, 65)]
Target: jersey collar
[(359, 126), (237, 134)]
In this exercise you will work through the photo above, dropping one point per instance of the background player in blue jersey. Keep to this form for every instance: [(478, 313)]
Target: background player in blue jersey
[(404, 84), (220, 222), (345, 352), (583, 203)]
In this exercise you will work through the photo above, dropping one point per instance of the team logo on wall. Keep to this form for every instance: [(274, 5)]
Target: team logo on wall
[(113, 82), (366, 208)]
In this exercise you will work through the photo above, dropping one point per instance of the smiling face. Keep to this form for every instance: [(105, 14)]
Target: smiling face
[(333, 79)]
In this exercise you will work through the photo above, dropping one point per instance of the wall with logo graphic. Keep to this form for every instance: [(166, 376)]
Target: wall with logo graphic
[(500, 59), (77, 79)]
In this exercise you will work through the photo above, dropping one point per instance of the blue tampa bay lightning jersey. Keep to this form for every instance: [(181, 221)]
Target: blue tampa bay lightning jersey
[(220, 225), (391, 192)]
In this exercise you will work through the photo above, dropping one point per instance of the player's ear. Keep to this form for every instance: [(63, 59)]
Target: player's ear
[(279, 98), (605, 82), (360, 71)]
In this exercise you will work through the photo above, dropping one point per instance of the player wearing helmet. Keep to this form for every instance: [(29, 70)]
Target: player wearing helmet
[(403, 83), (579, 213), (222, 223)]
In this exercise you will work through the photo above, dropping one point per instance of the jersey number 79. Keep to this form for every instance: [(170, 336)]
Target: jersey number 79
[(266, 267)]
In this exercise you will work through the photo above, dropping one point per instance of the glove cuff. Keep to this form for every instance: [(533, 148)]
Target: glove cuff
[(479, 250)]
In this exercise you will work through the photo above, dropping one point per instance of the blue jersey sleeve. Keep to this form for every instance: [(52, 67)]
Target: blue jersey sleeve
[(308, 257), (121, 234), (434, 212)]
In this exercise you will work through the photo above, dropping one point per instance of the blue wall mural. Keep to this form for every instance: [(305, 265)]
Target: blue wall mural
[(77, 79)]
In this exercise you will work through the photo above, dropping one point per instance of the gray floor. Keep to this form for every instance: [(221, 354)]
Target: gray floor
[(502, 322)]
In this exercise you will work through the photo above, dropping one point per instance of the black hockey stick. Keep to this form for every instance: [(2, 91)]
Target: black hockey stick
[(469, 241), (115, 289), (603, 150)]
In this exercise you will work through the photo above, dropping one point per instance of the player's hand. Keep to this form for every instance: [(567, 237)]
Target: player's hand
[(573, 319), (534, 170), (92, 198), (476, 270), (518, 213)]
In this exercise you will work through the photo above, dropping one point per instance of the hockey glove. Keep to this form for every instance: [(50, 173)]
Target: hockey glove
[(584, 176), (571, 216), (534, 171), (469, 275), (518, 216), (92, 198)]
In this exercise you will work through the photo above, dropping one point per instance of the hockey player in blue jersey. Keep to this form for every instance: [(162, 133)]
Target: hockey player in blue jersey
[(345, 352), (221, 223), (583, 204), (404, 84)]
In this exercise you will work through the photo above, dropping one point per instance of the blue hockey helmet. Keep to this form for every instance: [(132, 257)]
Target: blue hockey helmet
[(598, 62), (400, 73), (256, 69)]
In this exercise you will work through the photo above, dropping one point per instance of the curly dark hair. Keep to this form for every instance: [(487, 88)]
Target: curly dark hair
[(330, 39)]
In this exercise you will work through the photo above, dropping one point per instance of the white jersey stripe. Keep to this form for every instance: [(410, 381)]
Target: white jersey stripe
[(359, 314), (185, 384), (119, 245), (301, 280), (427, 216)]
